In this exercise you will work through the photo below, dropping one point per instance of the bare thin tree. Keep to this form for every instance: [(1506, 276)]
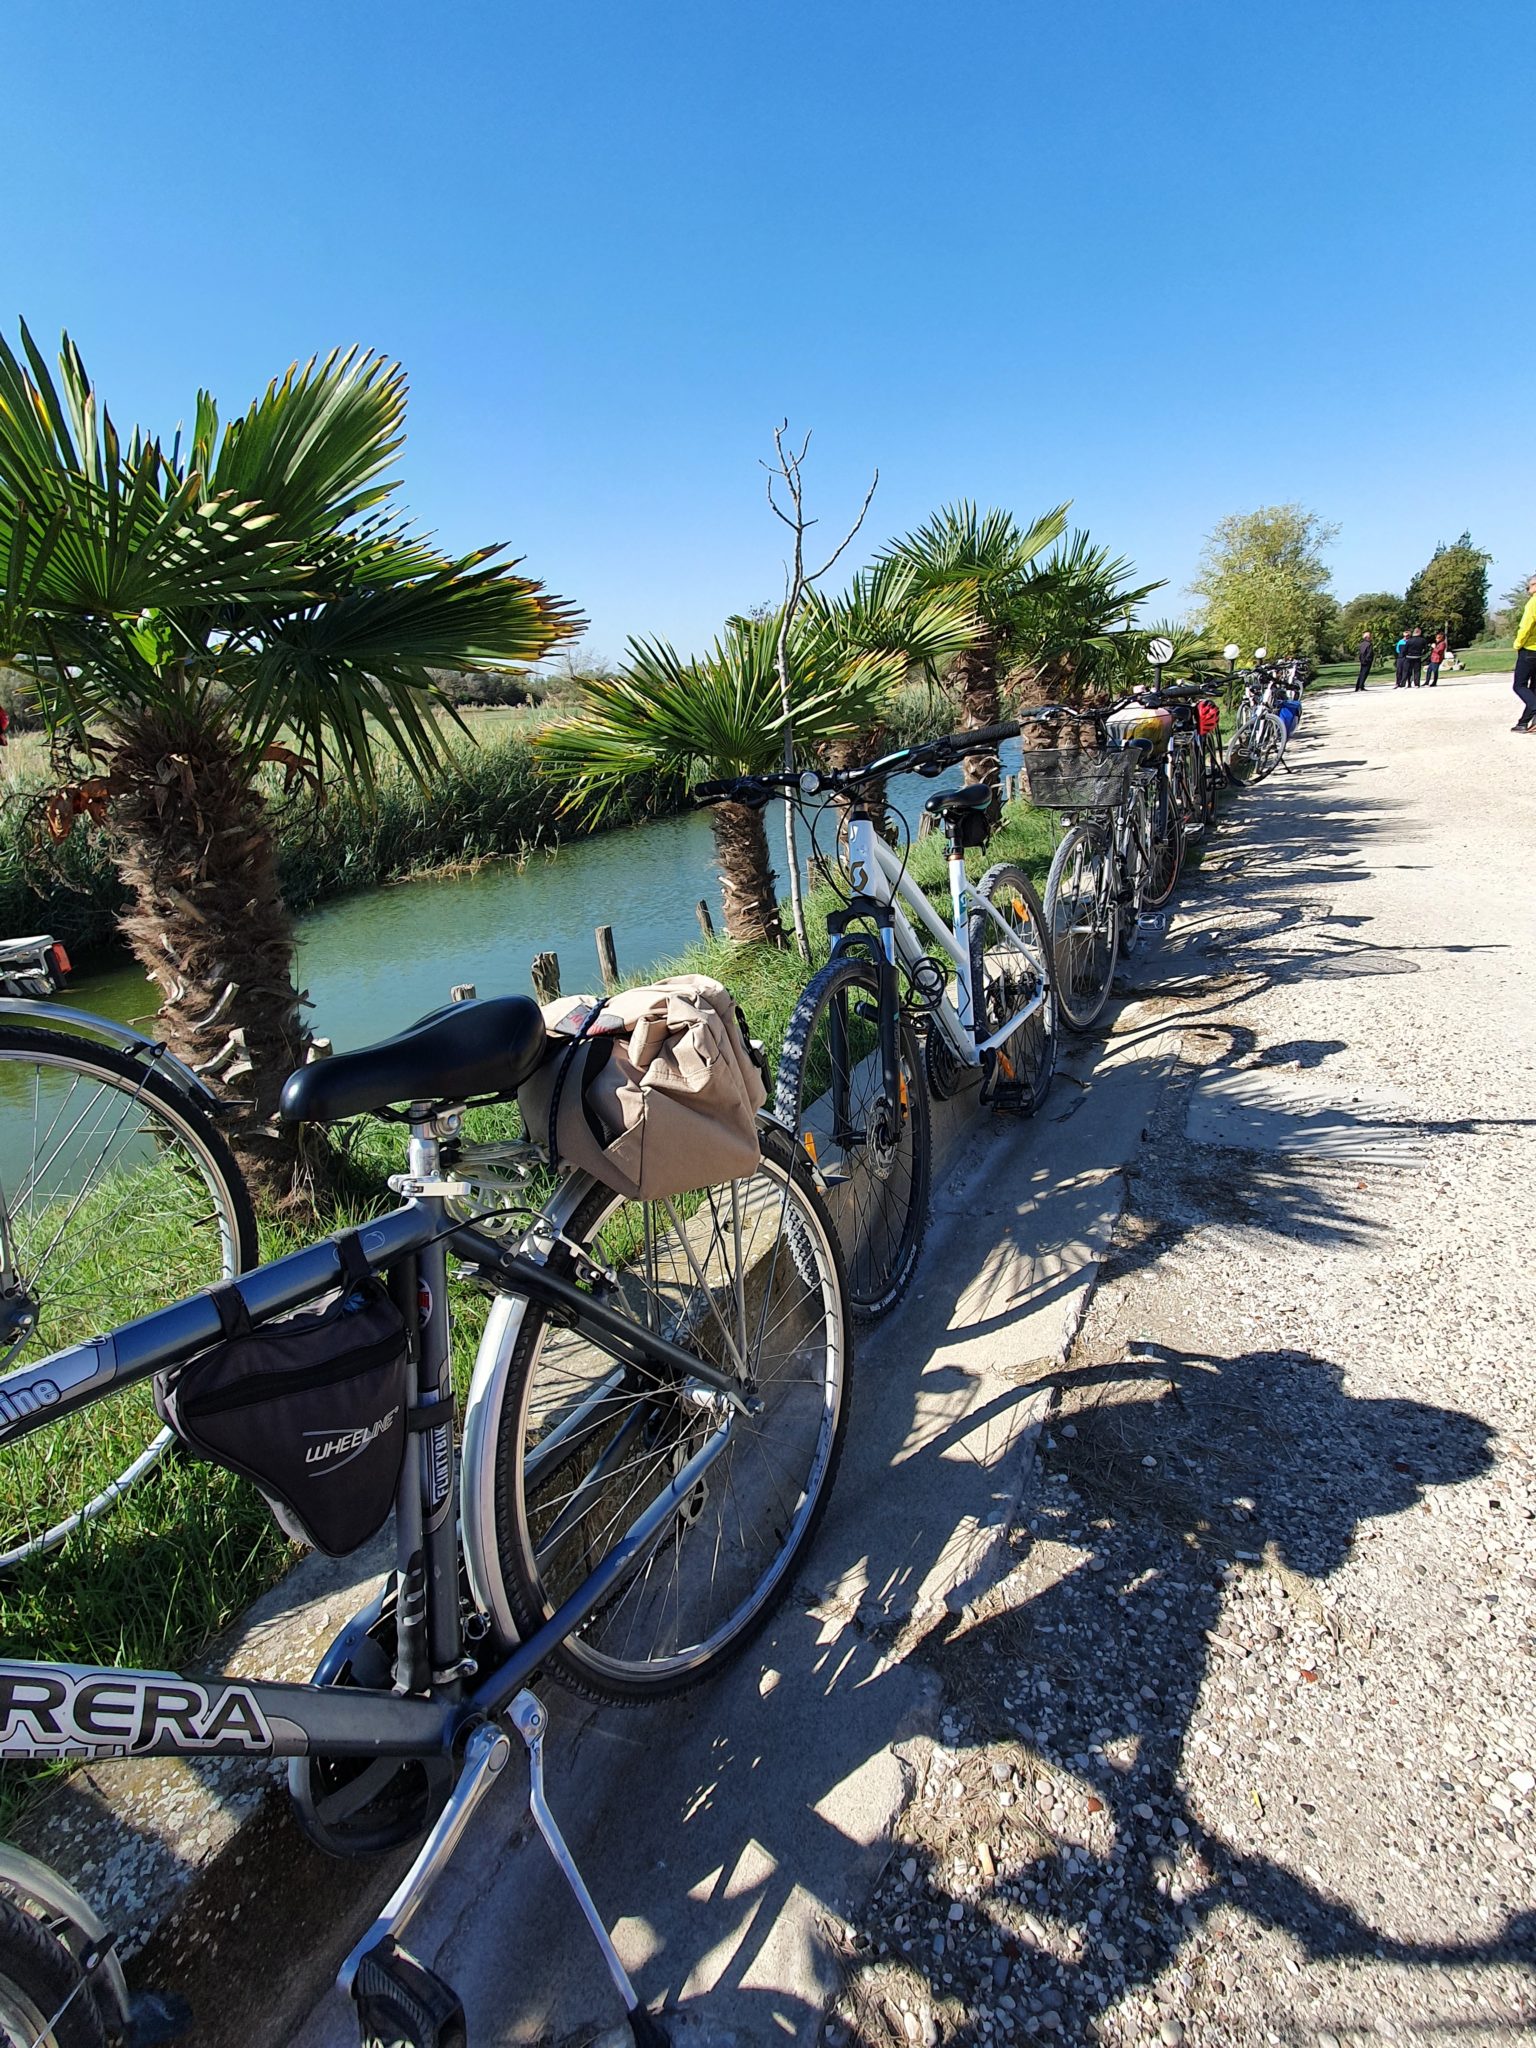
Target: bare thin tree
[(787, 471)]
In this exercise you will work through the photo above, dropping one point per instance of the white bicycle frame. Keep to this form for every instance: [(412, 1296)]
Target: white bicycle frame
[(877, 871)]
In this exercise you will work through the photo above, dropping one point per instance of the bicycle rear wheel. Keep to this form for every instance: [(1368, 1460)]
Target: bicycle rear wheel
[(874, 1156), (117, 1196), (1083, 919), (1010, 973), (749, 1277)]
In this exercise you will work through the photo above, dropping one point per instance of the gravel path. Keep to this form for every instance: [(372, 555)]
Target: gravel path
[(1244, 1749)]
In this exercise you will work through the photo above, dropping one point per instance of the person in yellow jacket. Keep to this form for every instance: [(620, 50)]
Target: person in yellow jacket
[(1525, 662)]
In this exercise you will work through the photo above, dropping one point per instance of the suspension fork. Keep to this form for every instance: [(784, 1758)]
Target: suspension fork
[(880, 951)]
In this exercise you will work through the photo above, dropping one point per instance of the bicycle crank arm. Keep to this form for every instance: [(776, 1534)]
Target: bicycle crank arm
[(484, 1760)]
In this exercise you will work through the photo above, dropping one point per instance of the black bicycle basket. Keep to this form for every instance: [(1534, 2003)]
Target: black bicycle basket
[(311, 1407)]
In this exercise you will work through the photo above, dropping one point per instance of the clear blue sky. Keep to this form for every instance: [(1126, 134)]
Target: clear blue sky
[(1168, 258)]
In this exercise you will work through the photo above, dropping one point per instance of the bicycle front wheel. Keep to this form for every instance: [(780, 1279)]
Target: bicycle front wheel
[(117, 1197), (1083, 919), (873, 1155), (45, 2000), (747, 1276), (1166, 846), (1011, 977)]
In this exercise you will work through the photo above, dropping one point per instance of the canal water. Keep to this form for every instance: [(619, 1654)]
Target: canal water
[(374, 963)]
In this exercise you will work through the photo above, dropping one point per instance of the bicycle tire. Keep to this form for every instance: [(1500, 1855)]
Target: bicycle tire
[(569, 1407), (1272, 737), (1082, 916), (1135, 866), (1211, 778), (1007, 974), (873, 1176), (45, 2000), (117, 1196), (1166, 839)]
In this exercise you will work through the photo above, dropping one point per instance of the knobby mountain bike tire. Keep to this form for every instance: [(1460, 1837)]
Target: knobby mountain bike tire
[(749, 1276), (45, 2001), (1006, 974), (117, 1196), (873, 1157), (1082, 916)]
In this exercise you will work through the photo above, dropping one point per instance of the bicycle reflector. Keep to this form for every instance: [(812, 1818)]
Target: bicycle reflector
[(1208, 716)]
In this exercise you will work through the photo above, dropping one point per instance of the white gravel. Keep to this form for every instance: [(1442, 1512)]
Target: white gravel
[(1245, 1749)]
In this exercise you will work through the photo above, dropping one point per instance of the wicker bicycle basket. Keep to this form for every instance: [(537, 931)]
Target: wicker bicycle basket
[(1061, 779)]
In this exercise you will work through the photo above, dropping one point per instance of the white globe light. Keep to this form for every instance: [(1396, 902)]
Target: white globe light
[(1231, 650), (1259, 653)]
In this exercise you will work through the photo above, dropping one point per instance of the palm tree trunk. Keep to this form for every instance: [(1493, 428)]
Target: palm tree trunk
[(746, 875), (975, 679), (207, 922)]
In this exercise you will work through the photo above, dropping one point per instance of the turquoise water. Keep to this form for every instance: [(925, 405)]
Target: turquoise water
[(372, 964)]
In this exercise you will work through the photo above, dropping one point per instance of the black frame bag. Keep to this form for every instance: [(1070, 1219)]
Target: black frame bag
[(311, 1407)]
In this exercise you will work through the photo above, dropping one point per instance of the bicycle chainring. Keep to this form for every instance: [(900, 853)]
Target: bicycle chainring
[(357, 1806)]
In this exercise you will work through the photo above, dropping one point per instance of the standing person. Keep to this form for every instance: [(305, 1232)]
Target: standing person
[(1525, 661), (1402, 666), (1365, 656), (1435, 657), (1413, 656)]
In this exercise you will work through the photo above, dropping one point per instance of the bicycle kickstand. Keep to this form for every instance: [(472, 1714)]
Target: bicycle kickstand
[(529, 1718), (400, 2003)]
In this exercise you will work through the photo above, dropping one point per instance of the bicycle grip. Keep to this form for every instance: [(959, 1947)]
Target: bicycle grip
[(983, 736)]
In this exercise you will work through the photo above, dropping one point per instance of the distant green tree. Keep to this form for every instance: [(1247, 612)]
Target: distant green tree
[(1451, 591), (1502, 623), (1379, 610), (1262, 580)]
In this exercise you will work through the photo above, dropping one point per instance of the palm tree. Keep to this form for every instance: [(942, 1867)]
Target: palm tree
[(719, 716), (983, 559), (1072, 627), (189, 614)]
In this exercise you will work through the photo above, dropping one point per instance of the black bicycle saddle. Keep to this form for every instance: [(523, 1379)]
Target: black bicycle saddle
[(466, 1050)]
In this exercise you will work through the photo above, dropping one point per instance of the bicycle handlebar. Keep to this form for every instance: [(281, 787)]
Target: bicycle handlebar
[(929, 757)]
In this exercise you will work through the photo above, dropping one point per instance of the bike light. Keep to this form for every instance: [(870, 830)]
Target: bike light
[(60, 958)]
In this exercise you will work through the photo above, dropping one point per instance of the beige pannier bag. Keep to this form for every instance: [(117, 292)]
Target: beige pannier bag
[(652, 1091)]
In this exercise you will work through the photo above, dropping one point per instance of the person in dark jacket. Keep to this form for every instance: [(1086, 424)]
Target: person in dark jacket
[(1365, 656), (1413, 657)]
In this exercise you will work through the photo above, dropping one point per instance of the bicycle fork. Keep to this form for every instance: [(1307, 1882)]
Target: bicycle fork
[(399, 2000)]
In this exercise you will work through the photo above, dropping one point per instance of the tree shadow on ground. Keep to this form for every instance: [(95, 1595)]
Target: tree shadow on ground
[(1051, 1889)]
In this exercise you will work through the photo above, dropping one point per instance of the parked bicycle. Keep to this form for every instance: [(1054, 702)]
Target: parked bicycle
[(1259, 732), (654, 1420), (118, 1194), (1119, 857), (905, 995)]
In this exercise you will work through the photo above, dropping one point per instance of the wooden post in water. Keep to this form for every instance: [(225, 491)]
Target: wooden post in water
[(462, 992), (925, 824), (546, 976), (706, 922), (607, 956)]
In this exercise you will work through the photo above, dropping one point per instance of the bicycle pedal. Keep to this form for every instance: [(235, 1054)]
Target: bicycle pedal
[(1152, 921), (400, 2004)]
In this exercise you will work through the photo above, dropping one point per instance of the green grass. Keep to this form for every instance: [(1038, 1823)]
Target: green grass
[(1481, 659)]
